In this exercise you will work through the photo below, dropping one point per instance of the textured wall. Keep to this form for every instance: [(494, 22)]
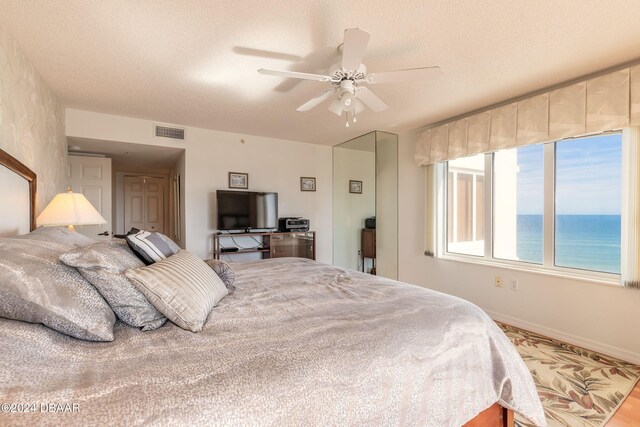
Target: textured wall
[(31, 121)]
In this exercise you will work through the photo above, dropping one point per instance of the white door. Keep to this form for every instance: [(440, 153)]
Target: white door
[(154, 204), (144, 203), (91, 176), (133, 203)]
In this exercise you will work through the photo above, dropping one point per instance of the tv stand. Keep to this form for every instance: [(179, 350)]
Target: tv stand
[(274, 244)]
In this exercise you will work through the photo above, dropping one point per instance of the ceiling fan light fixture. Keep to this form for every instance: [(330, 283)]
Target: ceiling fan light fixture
[(349, 77)]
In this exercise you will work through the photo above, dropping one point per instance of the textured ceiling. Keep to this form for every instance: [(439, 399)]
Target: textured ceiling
[(194, 62)]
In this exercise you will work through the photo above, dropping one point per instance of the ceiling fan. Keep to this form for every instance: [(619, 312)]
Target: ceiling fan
[(349, 78)]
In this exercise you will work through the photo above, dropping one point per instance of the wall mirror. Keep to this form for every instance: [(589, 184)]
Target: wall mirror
[(365, 204)]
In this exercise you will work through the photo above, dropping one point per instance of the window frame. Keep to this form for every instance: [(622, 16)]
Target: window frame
[(548, 266)]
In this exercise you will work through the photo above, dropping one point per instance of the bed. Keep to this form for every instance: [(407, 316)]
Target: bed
[(297, 343)]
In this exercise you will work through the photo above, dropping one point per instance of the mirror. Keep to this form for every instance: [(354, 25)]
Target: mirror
[(365, 204)]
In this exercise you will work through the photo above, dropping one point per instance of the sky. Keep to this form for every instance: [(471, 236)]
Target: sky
[(588, 177)]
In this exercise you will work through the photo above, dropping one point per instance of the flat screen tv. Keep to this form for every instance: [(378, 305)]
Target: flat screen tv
[(242, 210)]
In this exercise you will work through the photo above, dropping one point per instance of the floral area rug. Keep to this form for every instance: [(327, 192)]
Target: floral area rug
[(577, 387)]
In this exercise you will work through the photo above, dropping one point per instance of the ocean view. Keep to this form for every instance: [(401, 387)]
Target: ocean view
[(582, 241)]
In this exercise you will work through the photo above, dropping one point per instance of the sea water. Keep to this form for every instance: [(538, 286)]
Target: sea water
[(590, 242)]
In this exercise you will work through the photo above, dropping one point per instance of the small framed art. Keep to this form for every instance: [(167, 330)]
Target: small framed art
[(238, 180), (307, 183), (355, 186)]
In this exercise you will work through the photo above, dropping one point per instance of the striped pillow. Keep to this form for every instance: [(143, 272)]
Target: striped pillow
[(182, 287), (151, 246)]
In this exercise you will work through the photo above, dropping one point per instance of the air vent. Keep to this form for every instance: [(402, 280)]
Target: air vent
[(167, 132)]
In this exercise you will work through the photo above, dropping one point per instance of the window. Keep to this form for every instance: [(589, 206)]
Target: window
[(518, 204), (588, 203), (555, 205), (465, 206)]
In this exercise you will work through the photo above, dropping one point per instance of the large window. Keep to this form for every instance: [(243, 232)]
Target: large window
[(555, 205), (518, 204), (588, 203)]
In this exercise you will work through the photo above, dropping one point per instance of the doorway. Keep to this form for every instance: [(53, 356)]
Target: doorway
[(146, 185)]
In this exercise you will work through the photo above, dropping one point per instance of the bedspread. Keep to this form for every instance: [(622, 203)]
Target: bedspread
[(297, 343)]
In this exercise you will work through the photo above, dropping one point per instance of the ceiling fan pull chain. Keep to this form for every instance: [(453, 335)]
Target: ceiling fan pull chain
[(347, 116)]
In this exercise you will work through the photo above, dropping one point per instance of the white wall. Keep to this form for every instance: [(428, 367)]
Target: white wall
[(31, 124), (600, 317), (272, 164), (350, 210)]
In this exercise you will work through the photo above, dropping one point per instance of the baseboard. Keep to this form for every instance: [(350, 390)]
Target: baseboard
[(599, 347)]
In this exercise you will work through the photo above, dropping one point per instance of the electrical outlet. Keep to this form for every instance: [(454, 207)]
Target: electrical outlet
[(514, 285), (498, 282)]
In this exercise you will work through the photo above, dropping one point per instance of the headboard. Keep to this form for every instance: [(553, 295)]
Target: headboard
[(14, 165)]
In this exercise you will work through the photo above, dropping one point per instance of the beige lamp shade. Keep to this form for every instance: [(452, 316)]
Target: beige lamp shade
[(70, 209)]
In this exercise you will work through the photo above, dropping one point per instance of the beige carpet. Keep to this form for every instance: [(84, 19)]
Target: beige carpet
[(577, 387)]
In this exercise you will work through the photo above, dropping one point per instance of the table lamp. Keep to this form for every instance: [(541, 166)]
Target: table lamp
[(70, 209)]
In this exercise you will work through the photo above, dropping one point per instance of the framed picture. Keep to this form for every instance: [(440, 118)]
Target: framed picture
[(355, 186), (307, 183), (238, 180)]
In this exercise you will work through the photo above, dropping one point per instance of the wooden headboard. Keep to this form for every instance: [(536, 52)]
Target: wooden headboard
[(13, 164)]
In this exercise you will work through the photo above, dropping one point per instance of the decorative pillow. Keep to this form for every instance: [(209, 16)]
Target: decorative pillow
[(182, 287), (152, 246), (224, 272), (103, 264), (59, 235), (36, 287), (128, 233)]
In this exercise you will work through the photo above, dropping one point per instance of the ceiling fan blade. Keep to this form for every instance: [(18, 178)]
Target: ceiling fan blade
[(336, 107), (355, 43), (371, 100), (294, 75), (359, 106), (315, 101), (249, 51), (399, 76)]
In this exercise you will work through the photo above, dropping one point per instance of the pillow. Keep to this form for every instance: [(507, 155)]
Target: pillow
[(58, 235), (36, 287), (182, 287), (128, 233), (103, 264), (224, 272), (152, 246)]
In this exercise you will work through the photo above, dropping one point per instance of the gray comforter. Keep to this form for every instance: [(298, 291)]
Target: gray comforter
[(297, 343)]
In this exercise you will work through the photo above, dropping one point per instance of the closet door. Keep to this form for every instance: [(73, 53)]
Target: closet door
[(154, 204), (134, 203), (144, 203)]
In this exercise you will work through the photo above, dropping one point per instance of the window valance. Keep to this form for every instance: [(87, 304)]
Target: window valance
[(606, 102)]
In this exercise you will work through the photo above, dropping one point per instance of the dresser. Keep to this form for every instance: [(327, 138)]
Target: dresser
[(368, 247), (273, 245)]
